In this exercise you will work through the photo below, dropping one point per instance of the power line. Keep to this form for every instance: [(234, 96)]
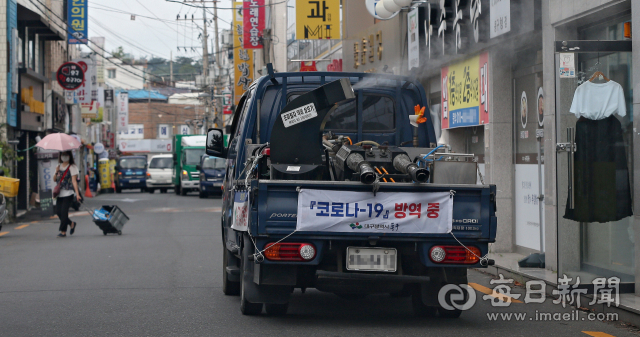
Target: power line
[(190, 5)]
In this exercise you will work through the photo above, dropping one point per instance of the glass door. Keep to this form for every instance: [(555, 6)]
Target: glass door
[(595, 157)]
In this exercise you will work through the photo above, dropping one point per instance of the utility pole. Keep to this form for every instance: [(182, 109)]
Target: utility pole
[(216, 111), (171, 66), (205, 50)]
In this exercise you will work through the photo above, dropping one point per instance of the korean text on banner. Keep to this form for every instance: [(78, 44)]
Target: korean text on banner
[(242, 58), (253, 18), (317, 19), (123, 110), (465, 96), (362, 212), (78, 21)]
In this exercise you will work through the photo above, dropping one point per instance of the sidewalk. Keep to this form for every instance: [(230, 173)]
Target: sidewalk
[(507, 265)]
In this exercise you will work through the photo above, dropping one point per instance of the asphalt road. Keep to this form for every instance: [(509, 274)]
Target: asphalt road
[(162, 277)]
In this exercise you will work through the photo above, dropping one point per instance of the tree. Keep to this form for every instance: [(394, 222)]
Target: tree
[(118, 53)]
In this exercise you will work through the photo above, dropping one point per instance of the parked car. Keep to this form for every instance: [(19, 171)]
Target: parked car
[(212, 171), (131, 173), (159, 173)]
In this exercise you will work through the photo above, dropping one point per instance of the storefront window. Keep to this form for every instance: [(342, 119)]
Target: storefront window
[(595, 223)]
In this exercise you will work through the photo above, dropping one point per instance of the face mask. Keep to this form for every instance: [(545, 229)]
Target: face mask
[(65, 158)]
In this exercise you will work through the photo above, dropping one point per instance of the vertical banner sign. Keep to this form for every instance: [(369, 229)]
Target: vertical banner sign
[(78, 21), (242, 58), (317, 19), (253, 19), (108, 98), (85, 92), (100, 103), (414, 39), (99, 43), (465, 96), (123, 111), (499, 17)]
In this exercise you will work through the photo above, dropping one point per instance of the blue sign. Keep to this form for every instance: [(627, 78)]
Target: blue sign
[(78, 22), (463, 117)]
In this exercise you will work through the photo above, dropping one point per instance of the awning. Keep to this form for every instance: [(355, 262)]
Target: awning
[(38, 25)]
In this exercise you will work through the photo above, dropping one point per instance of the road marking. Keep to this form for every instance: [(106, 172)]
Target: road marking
[(598, 334), (22, 226), (490, 292), (3, 233)]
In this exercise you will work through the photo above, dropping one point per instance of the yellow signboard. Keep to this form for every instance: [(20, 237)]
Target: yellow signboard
[(242, 58), (105, 175), (317, 19), (465, 96)]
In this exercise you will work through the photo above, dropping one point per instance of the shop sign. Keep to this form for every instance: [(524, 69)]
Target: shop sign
[(145, 145), (185, 130), (368, 50), (84, 92), (499, 17), (317, 19), (58, 111), (414, 39), (123, 110), (108, 97), (133, 131), (163, 131), (452, 26), (253, 18), (567, 65), (242, 58), (70, 76), (465, 96), (78, 21), (70, 97)]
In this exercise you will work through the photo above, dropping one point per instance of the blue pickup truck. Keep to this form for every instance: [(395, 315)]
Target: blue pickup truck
[(329, 186), (212, 171), (131, 173)]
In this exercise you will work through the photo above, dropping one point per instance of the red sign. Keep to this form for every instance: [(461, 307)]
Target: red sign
[(70, 76), (308, 66), (253, 23), (335, 65)]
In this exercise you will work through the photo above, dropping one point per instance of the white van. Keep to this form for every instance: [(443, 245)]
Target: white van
[(159, 173)]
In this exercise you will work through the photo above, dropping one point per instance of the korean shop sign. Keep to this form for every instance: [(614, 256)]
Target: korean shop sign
[(317, 19), (242, 58), (465, 96), (253, 19), (453, 26), (78, 18), (70, 76)]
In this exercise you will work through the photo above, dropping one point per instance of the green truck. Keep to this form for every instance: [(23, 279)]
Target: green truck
[(187, 151)]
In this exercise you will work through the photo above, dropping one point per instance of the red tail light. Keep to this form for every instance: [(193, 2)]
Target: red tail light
[(287, 251), (454, 254)]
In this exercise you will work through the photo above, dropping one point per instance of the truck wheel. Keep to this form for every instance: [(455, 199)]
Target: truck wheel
[(183, 191), (246, 307), (229, 288), (176, 189), (118, 189), (163, 190), (202, 195), (151, 190), (276, 309)]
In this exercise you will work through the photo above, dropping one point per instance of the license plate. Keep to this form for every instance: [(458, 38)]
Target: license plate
[(134, 181), (372, 259)]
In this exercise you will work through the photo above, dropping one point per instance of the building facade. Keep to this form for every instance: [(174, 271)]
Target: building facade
[(501, 81)]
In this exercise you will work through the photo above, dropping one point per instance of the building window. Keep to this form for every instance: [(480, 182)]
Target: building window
[(111, 73)]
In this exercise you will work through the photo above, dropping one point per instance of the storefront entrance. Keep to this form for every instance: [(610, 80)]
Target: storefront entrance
[(595, 156)]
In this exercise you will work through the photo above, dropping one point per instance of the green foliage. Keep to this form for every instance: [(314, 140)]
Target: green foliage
[(8, 157)]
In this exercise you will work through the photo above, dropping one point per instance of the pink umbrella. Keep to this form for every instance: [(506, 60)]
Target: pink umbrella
[(59, 142)]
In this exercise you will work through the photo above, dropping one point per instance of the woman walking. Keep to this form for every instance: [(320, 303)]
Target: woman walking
[(67, 176)]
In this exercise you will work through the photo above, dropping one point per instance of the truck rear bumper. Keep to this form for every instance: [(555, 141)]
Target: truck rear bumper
[(323, 274)]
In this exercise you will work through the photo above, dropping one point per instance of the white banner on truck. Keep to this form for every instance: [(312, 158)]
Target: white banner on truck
[(240, 211), (361, 212)]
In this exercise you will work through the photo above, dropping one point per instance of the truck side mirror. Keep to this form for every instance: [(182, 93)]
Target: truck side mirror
[(198, 167), (215, 143)]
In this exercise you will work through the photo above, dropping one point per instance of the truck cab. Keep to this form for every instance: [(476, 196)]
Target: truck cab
[(131, 173), (212, 171), (159, 173), (188, 150)]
